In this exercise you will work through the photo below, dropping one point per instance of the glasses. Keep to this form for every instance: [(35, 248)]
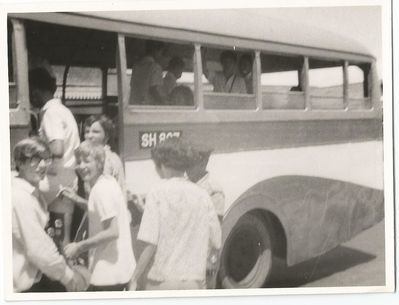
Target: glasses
[(35, 161)]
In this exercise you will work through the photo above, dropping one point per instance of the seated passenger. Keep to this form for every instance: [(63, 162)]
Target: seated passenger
[(245, 67), (228, 80), (146, 82), (175, 70), (181, 96)]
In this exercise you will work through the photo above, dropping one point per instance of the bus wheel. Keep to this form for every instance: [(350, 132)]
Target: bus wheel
[(247, 258)]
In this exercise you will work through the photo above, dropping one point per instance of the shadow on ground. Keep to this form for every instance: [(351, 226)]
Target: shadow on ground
[(334, 261)]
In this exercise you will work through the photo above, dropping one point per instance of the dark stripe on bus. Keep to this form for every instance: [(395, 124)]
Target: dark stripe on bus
[(247, 136)]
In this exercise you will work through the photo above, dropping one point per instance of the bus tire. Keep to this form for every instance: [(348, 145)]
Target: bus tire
[(247, 257)]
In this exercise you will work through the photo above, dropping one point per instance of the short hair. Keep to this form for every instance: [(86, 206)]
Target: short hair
[(201, 153), (228, 54), (154, 45), (89, 121), (107, 125), (181, 96), (40, 78), (174, 153), (86, 149), (29, 148), (176, 62)]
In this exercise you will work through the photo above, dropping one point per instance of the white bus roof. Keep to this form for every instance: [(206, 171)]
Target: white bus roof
[(242, 24)]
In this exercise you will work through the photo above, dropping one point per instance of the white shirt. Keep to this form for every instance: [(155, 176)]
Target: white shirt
[(113, 166), (215, 192), (145, 74), (234, 84), (58, 123), (113, 262), (179, 218), (33, 250)]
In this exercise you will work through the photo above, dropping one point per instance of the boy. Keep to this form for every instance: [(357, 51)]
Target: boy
[(178, 224), (198, 174)]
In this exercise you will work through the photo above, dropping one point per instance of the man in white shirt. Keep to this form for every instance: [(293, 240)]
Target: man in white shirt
[(146, 82), (34, 252), (58, 128), (228, 80)]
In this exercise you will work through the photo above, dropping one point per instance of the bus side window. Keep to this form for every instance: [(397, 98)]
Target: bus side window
[(358, 86), (227, 79), (161, 73), (281, 82), (326, 84)]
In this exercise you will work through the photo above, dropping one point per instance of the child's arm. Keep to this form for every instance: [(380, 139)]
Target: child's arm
[(71, 194), (109, 233), (144, 260)]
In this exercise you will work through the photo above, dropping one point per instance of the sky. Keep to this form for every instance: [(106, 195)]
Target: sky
[(360, 23)]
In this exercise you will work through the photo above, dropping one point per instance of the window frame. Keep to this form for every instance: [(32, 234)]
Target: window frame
[(20, 115)]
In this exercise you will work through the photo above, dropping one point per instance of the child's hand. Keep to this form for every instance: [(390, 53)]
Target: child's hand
[(72, 250), (136, 199), (68, 193)]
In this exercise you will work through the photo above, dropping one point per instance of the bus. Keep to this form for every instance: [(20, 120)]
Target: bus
[(299, 156)]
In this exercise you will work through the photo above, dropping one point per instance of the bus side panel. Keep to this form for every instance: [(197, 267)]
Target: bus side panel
[(317, 214), (244, 136)]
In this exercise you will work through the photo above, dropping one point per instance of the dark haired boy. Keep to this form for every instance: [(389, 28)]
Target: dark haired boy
[(178, 225)]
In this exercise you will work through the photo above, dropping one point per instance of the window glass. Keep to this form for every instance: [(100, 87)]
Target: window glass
[(161, 73), (227, 79), (84, 84), (358, 86), (326, 81), (281, 82)]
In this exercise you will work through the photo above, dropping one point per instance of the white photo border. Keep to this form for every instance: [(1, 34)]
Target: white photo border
[(119, 5)]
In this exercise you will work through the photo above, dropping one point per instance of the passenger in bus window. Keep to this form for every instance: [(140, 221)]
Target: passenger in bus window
[(111, 257), (198, 174), (175, 70), (146, 85), (245, 68), (178, 224), (181, 96), (228, 80), (59, 129), (36, 258)]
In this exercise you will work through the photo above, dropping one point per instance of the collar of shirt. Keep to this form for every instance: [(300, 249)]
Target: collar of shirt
[(26, 186), (50, 103)]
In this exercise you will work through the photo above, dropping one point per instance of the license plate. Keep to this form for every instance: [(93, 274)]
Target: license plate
[(149, 139)]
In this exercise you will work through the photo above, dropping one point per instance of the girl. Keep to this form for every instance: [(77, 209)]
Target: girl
[(101, 133)]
